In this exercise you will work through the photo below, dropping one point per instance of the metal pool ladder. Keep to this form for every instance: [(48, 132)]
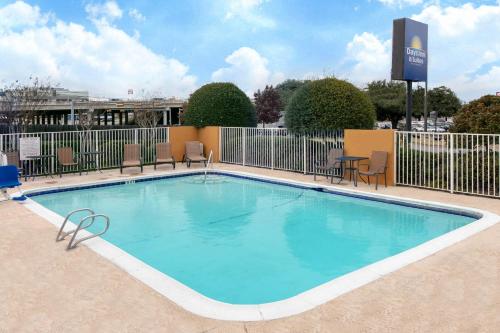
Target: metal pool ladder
[(209, 161), (81, 226)]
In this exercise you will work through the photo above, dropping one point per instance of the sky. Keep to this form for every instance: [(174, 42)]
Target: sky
[(170, 48)]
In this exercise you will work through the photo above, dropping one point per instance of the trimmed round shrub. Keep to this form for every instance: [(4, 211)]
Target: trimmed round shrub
[(479, 116), (329, 104), (220, 104)]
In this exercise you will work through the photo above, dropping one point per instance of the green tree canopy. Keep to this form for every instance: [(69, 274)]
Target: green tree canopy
[(220, 104), (287, 88), (389, 100), (329, 104), (479, 116), (268, 105), (444, 101)]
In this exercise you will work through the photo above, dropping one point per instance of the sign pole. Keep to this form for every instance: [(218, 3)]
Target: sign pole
[(409, 104), (425, 107)]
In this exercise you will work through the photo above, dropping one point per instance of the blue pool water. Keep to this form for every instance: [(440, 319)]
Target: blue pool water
[(243, 241)]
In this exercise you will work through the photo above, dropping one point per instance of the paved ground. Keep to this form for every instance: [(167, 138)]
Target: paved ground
[(46, 289)]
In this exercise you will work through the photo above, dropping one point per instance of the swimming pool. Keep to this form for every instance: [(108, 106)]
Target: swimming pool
[(248, 241)]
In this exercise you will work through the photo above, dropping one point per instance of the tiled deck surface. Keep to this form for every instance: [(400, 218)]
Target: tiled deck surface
[(43, 288)]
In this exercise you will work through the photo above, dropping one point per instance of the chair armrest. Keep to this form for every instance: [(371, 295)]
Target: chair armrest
[(318, 162), (360, 165)]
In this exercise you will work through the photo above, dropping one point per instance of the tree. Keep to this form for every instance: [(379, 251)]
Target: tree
[(21, 102), (147, 115), (479, 116), (86, 121), (220, 104), (329, 104), (389, 100), (444, 101), (268, 105), (287, 88)]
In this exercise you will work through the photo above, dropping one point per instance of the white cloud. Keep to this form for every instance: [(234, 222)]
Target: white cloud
[(463, 46), (370, 57), (248, 11), (464, 51), (21, 14), (401, 3), (104, 12), (248, 70), (136, 15), (106, 62)]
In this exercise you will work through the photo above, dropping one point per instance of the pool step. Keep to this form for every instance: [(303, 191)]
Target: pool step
[(81, 226)]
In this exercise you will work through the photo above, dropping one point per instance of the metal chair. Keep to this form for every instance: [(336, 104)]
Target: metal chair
[(65, 158), (377, 166), (330, 164)]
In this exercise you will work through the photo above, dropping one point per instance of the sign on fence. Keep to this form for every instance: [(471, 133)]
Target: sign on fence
[(29, 147)]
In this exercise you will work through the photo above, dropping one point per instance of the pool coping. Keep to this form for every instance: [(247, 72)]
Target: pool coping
[(199, 304)]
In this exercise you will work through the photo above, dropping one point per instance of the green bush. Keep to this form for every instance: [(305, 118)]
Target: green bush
[(329, 104), (220, 104), (479, 116)]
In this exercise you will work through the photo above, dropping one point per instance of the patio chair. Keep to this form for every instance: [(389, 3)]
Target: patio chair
[(164, 154), (9, 179), (131, 157), (65, 159), (330, 164), (194, 153), (377, 166)]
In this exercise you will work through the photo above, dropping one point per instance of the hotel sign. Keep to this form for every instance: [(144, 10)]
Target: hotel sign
[(409, 50)]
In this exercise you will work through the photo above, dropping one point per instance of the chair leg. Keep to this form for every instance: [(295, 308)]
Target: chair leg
[(60, 171), (376, 182), (121, 168), (142, 168), (155, 166), (385, 179), (173, 165)]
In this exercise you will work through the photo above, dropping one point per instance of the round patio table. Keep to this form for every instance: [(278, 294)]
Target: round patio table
[(352, 168)]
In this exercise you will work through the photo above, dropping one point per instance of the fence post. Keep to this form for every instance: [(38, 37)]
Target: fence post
[(220, 144), (395, 157), (97, 157), (272, 148), (452, 163), (1, 142), (52, 152), (243, 140), (135, 136), (305, 154)]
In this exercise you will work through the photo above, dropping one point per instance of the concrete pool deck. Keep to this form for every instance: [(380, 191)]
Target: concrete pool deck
[(45, 288)]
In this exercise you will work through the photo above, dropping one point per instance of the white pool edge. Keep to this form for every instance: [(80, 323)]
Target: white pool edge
[(199, 304)]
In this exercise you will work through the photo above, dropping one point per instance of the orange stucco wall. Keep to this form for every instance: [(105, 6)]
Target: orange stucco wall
[(178, 136), (363, 142), (209, 136)]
